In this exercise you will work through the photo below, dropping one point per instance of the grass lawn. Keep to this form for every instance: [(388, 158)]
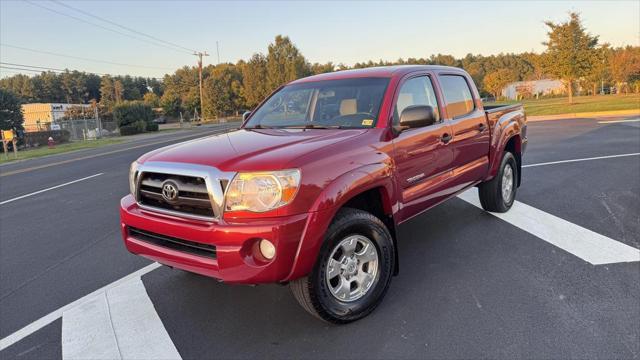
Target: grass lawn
[(61, 148), (580, 104)]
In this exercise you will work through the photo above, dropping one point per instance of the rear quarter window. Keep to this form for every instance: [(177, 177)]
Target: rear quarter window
[(457, 95)]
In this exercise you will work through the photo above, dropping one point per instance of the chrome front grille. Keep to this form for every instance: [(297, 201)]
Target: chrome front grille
[(191, 197), (179, 189)]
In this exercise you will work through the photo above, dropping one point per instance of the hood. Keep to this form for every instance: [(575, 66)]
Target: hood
[(252, 150)]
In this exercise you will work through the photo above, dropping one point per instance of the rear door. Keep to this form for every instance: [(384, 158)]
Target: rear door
[(423, 160), (470, 142)]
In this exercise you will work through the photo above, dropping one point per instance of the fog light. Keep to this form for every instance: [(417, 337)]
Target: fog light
[(267, 249)]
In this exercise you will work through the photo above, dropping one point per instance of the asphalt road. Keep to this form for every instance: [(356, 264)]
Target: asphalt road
[(471, 285)]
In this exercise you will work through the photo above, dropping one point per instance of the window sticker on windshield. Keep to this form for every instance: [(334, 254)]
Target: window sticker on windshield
[(367, 122)]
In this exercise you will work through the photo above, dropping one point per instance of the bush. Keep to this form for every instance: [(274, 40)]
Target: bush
[(129, 130), (39, 138), (132, 112), (152, 127)]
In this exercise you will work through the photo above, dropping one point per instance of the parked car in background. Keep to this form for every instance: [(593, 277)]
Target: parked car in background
[(160, 120), (311, 189)]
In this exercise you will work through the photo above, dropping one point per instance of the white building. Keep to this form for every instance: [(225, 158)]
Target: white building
[(521, 89)]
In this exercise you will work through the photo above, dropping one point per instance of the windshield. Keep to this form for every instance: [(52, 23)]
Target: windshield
[(347, 103)]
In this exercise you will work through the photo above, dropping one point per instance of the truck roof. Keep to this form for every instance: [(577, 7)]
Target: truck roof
[(378, 71)]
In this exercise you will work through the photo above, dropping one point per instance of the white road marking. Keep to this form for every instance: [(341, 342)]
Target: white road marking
[(578, 160), (590, 246), (586, 244), (55, 315), (618, 121), (87, 331), (121, 323), (48, 189), (138, 328)]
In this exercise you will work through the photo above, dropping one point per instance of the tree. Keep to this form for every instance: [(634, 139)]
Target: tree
[(625, 66), (537, 62), (254, 80), (599, 71), (118, 91), (318, 68), (571, 51), (10, 111), (284, 63), (133, 113), (151, 99), (222, 90), (107, 92), (51, 87), (497, 80), (170, 103), (79, 112), (441, 59)]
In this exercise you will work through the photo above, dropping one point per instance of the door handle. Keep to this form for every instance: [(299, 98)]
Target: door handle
[(482, 126), (446, 138)]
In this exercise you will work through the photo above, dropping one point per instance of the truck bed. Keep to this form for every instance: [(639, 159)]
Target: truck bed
[(511, 112), (495, 108)]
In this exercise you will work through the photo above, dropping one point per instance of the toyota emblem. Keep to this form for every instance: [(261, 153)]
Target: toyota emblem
[(169, 191)]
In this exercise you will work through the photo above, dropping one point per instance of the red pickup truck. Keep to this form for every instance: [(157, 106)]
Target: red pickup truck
[(311, 189)]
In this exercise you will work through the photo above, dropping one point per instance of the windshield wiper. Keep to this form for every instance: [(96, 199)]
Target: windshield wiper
[(312, 126), (257, 126)]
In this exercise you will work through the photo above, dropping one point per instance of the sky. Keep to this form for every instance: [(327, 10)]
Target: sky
[(340, 32)]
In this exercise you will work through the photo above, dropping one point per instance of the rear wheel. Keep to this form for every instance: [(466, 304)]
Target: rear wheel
[(498, 194), (353, 270)]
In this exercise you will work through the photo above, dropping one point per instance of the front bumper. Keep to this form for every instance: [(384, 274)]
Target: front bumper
[(236, 259)]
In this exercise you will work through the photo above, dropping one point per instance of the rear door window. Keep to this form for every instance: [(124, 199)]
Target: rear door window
[(457, 95)]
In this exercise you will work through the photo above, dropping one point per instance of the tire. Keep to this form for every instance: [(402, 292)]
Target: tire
[(491, 192), (317, 292)]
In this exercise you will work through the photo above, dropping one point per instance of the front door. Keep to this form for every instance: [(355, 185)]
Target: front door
[(423, 157)]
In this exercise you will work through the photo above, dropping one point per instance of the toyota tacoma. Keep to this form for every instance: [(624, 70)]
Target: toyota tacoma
[(311, 189)]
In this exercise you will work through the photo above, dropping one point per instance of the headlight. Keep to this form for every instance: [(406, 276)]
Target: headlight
[(262, 191), (133, 175)]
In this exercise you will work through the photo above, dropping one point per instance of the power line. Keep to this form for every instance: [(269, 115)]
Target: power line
[(15, 68), (122, 26), (103, 27), (39, 69), (82, 58)]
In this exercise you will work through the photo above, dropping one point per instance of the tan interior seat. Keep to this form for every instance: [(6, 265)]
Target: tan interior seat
[(404, 100), (348, 107)]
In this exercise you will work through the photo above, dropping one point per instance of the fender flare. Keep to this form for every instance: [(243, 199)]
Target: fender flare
[(332, 198), (504, 130)]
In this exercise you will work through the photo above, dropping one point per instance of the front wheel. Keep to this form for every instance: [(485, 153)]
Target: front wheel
[(498, 194), (353, 270)]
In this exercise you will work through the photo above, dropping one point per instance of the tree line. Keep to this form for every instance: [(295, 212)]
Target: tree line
[(572, 55)]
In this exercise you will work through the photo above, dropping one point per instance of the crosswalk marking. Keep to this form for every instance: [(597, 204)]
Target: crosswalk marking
[(137, 331), (138, 328), (56, 314), (121, 323), (588, 245), (87, 331)]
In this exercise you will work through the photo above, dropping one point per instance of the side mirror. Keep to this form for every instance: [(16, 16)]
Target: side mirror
[(246, 115), (417, 116)]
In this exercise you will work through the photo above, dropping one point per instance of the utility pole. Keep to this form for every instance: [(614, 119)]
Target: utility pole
[(218, 51), (200, 55)]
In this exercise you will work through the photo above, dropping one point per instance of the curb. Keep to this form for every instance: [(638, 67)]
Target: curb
[(583, 115)]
